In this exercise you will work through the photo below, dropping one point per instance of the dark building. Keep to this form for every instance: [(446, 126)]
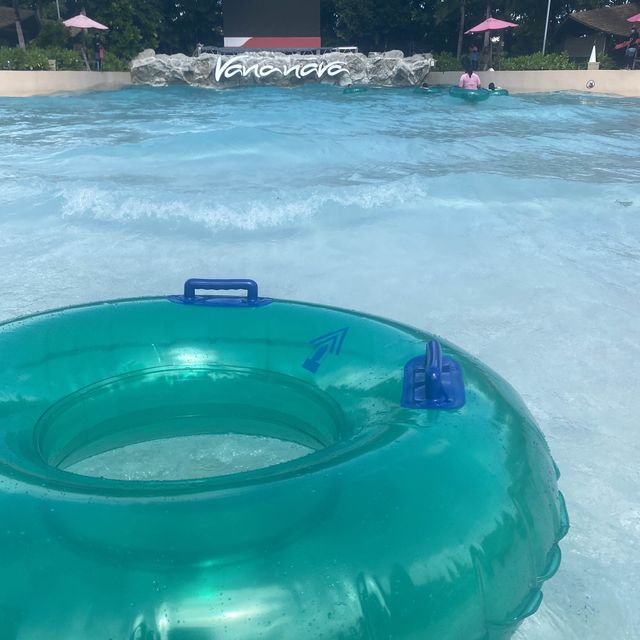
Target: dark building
[(8, 33), (271, 24), (603, 28)]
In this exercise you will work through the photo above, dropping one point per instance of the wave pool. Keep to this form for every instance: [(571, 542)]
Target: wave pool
[(509, 227)]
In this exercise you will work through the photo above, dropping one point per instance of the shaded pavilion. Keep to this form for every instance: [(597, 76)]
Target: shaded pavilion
[(603, 27)]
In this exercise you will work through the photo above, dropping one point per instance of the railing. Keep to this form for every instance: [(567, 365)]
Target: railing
[(291, 51)]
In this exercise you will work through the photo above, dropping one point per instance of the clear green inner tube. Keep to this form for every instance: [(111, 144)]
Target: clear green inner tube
[(402, 523), (470, 95)]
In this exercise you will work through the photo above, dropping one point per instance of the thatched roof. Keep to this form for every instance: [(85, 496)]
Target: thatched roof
[(8, 16), (608, 19)]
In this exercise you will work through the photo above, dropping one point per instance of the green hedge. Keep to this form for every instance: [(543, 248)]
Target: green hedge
[(446, 62), (37, 59), (606, 61), (66, 59), (533, 62), (112, 63), (14, 58), (538, 62), (34, 59)]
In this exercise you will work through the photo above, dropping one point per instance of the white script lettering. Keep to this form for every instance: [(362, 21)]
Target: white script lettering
[(234, 67)]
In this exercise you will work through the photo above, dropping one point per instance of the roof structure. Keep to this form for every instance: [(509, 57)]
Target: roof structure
[(608, 19), (8, 16)]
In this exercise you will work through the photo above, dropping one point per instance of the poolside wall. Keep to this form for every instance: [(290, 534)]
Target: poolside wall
[(33, 83), (626, 83), (620, 82)]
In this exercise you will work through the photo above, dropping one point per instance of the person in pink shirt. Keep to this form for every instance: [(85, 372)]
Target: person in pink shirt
[(469, 80)]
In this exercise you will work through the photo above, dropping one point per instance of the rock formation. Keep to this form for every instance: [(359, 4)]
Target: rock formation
[(388, 69)]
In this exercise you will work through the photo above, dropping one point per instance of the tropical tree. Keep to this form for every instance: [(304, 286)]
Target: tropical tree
[(372, 24), (172, 26), (448, 11), (189, 22), (134, 25), (328, 22), (19, 32)]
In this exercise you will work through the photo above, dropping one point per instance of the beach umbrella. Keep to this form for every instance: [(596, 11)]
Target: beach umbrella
[(82, 22), (491, 24), (635, 18)]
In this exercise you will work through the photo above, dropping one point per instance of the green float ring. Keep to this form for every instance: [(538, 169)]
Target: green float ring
[(470, 95), (404, 522)]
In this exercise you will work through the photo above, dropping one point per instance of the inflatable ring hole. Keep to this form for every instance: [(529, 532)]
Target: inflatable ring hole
[(164, 403)]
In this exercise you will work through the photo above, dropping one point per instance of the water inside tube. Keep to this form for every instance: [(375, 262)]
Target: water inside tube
[(189, 457)]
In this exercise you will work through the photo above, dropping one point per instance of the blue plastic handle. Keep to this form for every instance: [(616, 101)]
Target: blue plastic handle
[(433, 372), (433, 381), (193, 284), (251, 287)]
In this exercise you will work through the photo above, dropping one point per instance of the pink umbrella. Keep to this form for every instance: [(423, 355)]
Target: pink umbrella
[(635, 18), (82, 22), (491, 24)]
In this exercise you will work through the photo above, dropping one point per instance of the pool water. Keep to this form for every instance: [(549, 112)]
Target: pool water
[(511, 227)]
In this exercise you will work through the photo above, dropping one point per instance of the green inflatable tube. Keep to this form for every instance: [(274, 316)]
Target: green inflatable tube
[(498, 92), (427, 509), (470, 95)]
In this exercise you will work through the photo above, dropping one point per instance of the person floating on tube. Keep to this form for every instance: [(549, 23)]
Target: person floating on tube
[(469, 80)]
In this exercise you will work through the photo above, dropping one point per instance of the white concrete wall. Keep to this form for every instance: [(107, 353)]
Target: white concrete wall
[(33, 83), (624, 83)]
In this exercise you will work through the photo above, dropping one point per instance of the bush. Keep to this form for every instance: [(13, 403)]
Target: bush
[(12, 58), (111, 62), (532, 62), (37, 59), (538, 62), (66, 59), (606, 61), (446, 62), (15, 58)]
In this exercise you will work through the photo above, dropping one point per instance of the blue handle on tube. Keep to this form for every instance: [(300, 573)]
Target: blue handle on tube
[(433, 381), (194, 284)]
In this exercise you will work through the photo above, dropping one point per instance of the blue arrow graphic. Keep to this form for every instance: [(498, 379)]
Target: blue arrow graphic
[(328, 343)]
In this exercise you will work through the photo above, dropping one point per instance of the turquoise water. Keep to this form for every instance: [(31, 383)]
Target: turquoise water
[(511, 227)]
